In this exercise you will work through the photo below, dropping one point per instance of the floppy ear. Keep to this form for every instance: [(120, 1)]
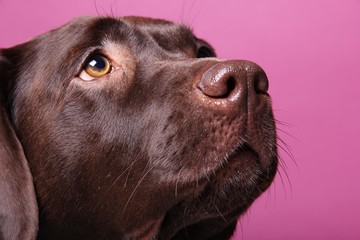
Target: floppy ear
[(18, 207)]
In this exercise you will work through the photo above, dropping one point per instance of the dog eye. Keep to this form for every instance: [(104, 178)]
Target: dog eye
[(96, 66), (205, 52)]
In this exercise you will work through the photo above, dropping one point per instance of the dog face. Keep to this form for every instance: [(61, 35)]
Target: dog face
[(133, 129)]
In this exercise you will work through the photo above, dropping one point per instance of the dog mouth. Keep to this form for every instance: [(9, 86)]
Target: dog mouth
[(241, 162), (241, 168), (149, 230), (239, 179)]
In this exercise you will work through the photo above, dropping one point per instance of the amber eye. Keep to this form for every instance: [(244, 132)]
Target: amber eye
[(96, 66)]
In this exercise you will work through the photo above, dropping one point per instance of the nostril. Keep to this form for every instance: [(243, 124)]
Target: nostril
[(220, 81), (218, 87), (231, 85), (261, 83)]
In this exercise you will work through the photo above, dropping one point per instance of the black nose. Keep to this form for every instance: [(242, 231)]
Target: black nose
[(233, 82)]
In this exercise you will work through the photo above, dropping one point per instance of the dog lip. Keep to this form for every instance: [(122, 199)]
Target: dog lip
[(242, 158), (246, 147), (149, 230)]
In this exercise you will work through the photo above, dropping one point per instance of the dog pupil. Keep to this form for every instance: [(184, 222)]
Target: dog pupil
[(97, 62)]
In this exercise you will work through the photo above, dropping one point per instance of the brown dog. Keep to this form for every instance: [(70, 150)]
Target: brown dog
[(129, 129)]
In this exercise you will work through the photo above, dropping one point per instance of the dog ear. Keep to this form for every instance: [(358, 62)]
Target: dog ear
[(18, 207)]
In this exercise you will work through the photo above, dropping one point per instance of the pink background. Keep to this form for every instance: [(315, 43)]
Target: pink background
[(311, 52)]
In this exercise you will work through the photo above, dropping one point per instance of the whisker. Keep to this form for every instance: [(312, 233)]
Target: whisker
[(96, 8), (239, 223), (128, 169), (118, 177), (282, 164), (271, 196), (137, 186), (285, 124), (177, 181), (184, 224), (287, 134), (194, 18), (287, 149), (207, 213), (283, 181), (281, 159), (221, 215)]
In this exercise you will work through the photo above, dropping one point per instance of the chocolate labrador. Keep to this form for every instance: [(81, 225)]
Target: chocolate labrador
[(130, 128)]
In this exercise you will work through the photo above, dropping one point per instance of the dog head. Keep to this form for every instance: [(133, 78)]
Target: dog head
[(132, 129)]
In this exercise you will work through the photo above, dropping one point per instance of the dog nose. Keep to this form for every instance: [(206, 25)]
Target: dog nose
[(233, 83)]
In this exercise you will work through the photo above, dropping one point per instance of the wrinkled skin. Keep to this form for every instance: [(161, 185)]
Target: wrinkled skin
[(172, 144)]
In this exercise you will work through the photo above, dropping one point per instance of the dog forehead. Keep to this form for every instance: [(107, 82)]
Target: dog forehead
[(157, 28), (169, 35), (146, 23), (139, 20), (95, 30)]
